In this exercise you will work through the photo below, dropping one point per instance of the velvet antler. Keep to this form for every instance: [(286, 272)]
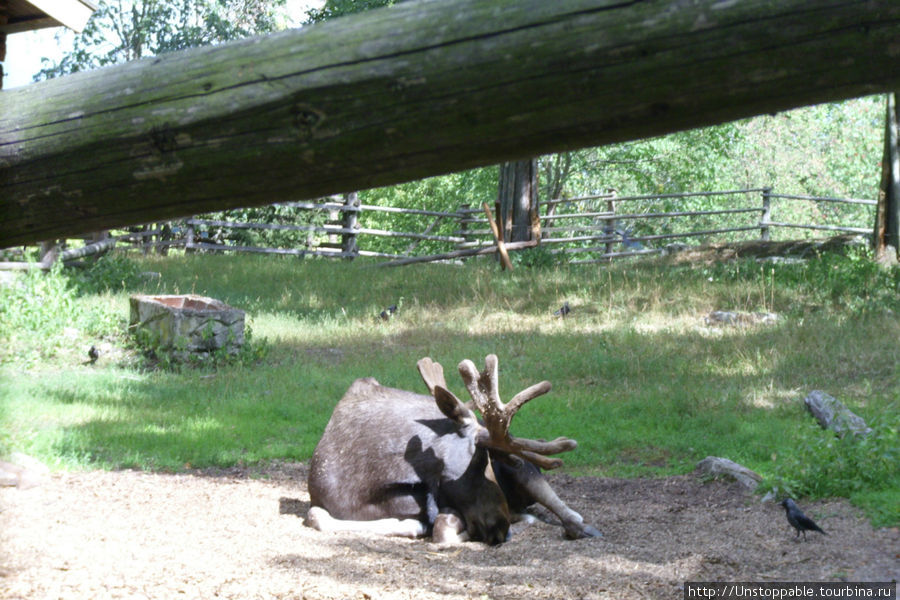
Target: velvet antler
[(484, 389)]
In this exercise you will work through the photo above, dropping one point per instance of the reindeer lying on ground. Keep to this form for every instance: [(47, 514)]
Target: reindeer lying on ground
[(399, 463)]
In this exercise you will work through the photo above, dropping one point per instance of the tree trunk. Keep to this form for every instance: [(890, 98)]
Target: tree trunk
[(518, 199), (409, 91), (887, 214)]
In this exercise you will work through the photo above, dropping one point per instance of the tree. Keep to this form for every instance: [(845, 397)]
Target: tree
[(124, 30), (887, 218), (338, 8), (517, 193)]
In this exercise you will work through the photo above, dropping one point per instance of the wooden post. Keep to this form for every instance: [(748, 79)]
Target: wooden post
[(49, 251), (887, 213), (349, 221), (766, 217), (189, 237), (610, 228), (463, 217), (4, 18)]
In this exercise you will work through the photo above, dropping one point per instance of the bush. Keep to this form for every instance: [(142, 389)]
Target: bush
[(35, 309), (109, 273), (824, 465), (251, 352), (536, 258), (42, 314)]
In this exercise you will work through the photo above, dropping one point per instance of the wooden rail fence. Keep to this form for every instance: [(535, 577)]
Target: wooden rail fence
[(585, 229)]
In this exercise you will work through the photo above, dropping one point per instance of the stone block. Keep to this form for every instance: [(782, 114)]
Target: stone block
[(186, 323)]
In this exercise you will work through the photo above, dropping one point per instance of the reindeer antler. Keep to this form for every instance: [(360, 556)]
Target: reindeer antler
[(432, 373), (485, 392)]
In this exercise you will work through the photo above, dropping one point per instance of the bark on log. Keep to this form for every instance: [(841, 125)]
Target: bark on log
[(715, 466), (94, 248), (413, 90)]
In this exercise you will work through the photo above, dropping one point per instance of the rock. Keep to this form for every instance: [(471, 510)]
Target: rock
[(22, 471), (724, 317), (782, 260), (715, 466), (886, 256), (186, 323), (832, 414), (9, 278), (9, 474), (675, 248), (770, 496)]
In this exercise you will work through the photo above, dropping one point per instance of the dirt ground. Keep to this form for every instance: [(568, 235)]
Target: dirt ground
[(240, 534)]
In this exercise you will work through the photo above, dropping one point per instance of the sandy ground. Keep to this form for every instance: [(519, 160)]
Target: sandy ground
[(240, 534)]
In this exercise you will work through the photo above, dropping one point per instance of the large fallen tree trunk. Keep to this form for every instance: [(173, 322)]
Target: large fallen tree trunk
[(413, 90)]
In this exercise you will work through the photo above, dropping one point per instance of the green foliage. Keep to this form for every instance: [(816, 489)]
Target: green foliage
[(831, 150), (110, 273), (446, 193), (43, 317), (275, 214), (824, 465), (638, 379), (118, 32), (37, 302), (339, 8), (853, 281), (536, 258)]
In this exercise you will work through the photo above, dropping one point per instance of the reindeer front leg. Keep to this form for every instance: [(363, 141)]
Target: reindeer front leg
[(321, 519), (524, 484)]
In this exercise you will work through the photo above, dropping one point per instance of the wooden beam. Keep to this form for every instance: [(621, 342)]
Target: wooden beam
[(457, 254), (413, 90)]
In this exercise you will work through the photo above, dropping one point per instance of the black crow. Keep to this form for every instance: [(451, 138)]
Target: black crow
[(798, 520), (627, 242), (563, 310)]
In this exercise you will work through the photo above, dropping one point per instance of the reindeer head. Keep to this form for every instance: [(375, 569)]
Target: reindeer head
[(484, 508)]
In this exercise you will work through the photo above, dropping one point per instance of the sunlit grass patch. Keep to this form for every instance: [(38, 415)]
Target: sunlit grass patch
[(640, 378)]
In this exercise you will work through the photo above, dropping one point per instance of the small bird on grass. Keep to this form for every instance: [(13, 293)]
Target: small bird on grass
[(563, 310), (798, 520), (387, 313), (93, 354)]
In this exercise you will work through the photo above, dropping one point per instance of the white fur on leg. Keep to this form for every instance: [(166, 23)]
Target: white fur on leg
[(321, 519), (520, 523), (449, 528)]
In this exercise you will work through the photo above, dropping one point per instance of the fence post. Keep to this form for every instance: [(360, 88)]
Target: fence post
[(349, 221), (610, 227), (462, 217), (189, 236), (766, 214)]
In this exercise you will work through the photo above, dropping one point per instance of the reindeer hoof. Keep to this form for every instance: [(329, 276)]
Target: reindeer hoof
[(317, 518), (586, 531)]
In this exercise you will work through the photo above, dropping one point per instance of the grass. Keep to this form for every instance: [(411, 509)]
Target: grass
[(638, 378)]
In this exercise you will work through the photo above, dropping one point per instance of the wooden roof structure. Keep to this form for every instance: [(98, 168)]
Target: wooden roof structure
[(26, 15), (17, 16)]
